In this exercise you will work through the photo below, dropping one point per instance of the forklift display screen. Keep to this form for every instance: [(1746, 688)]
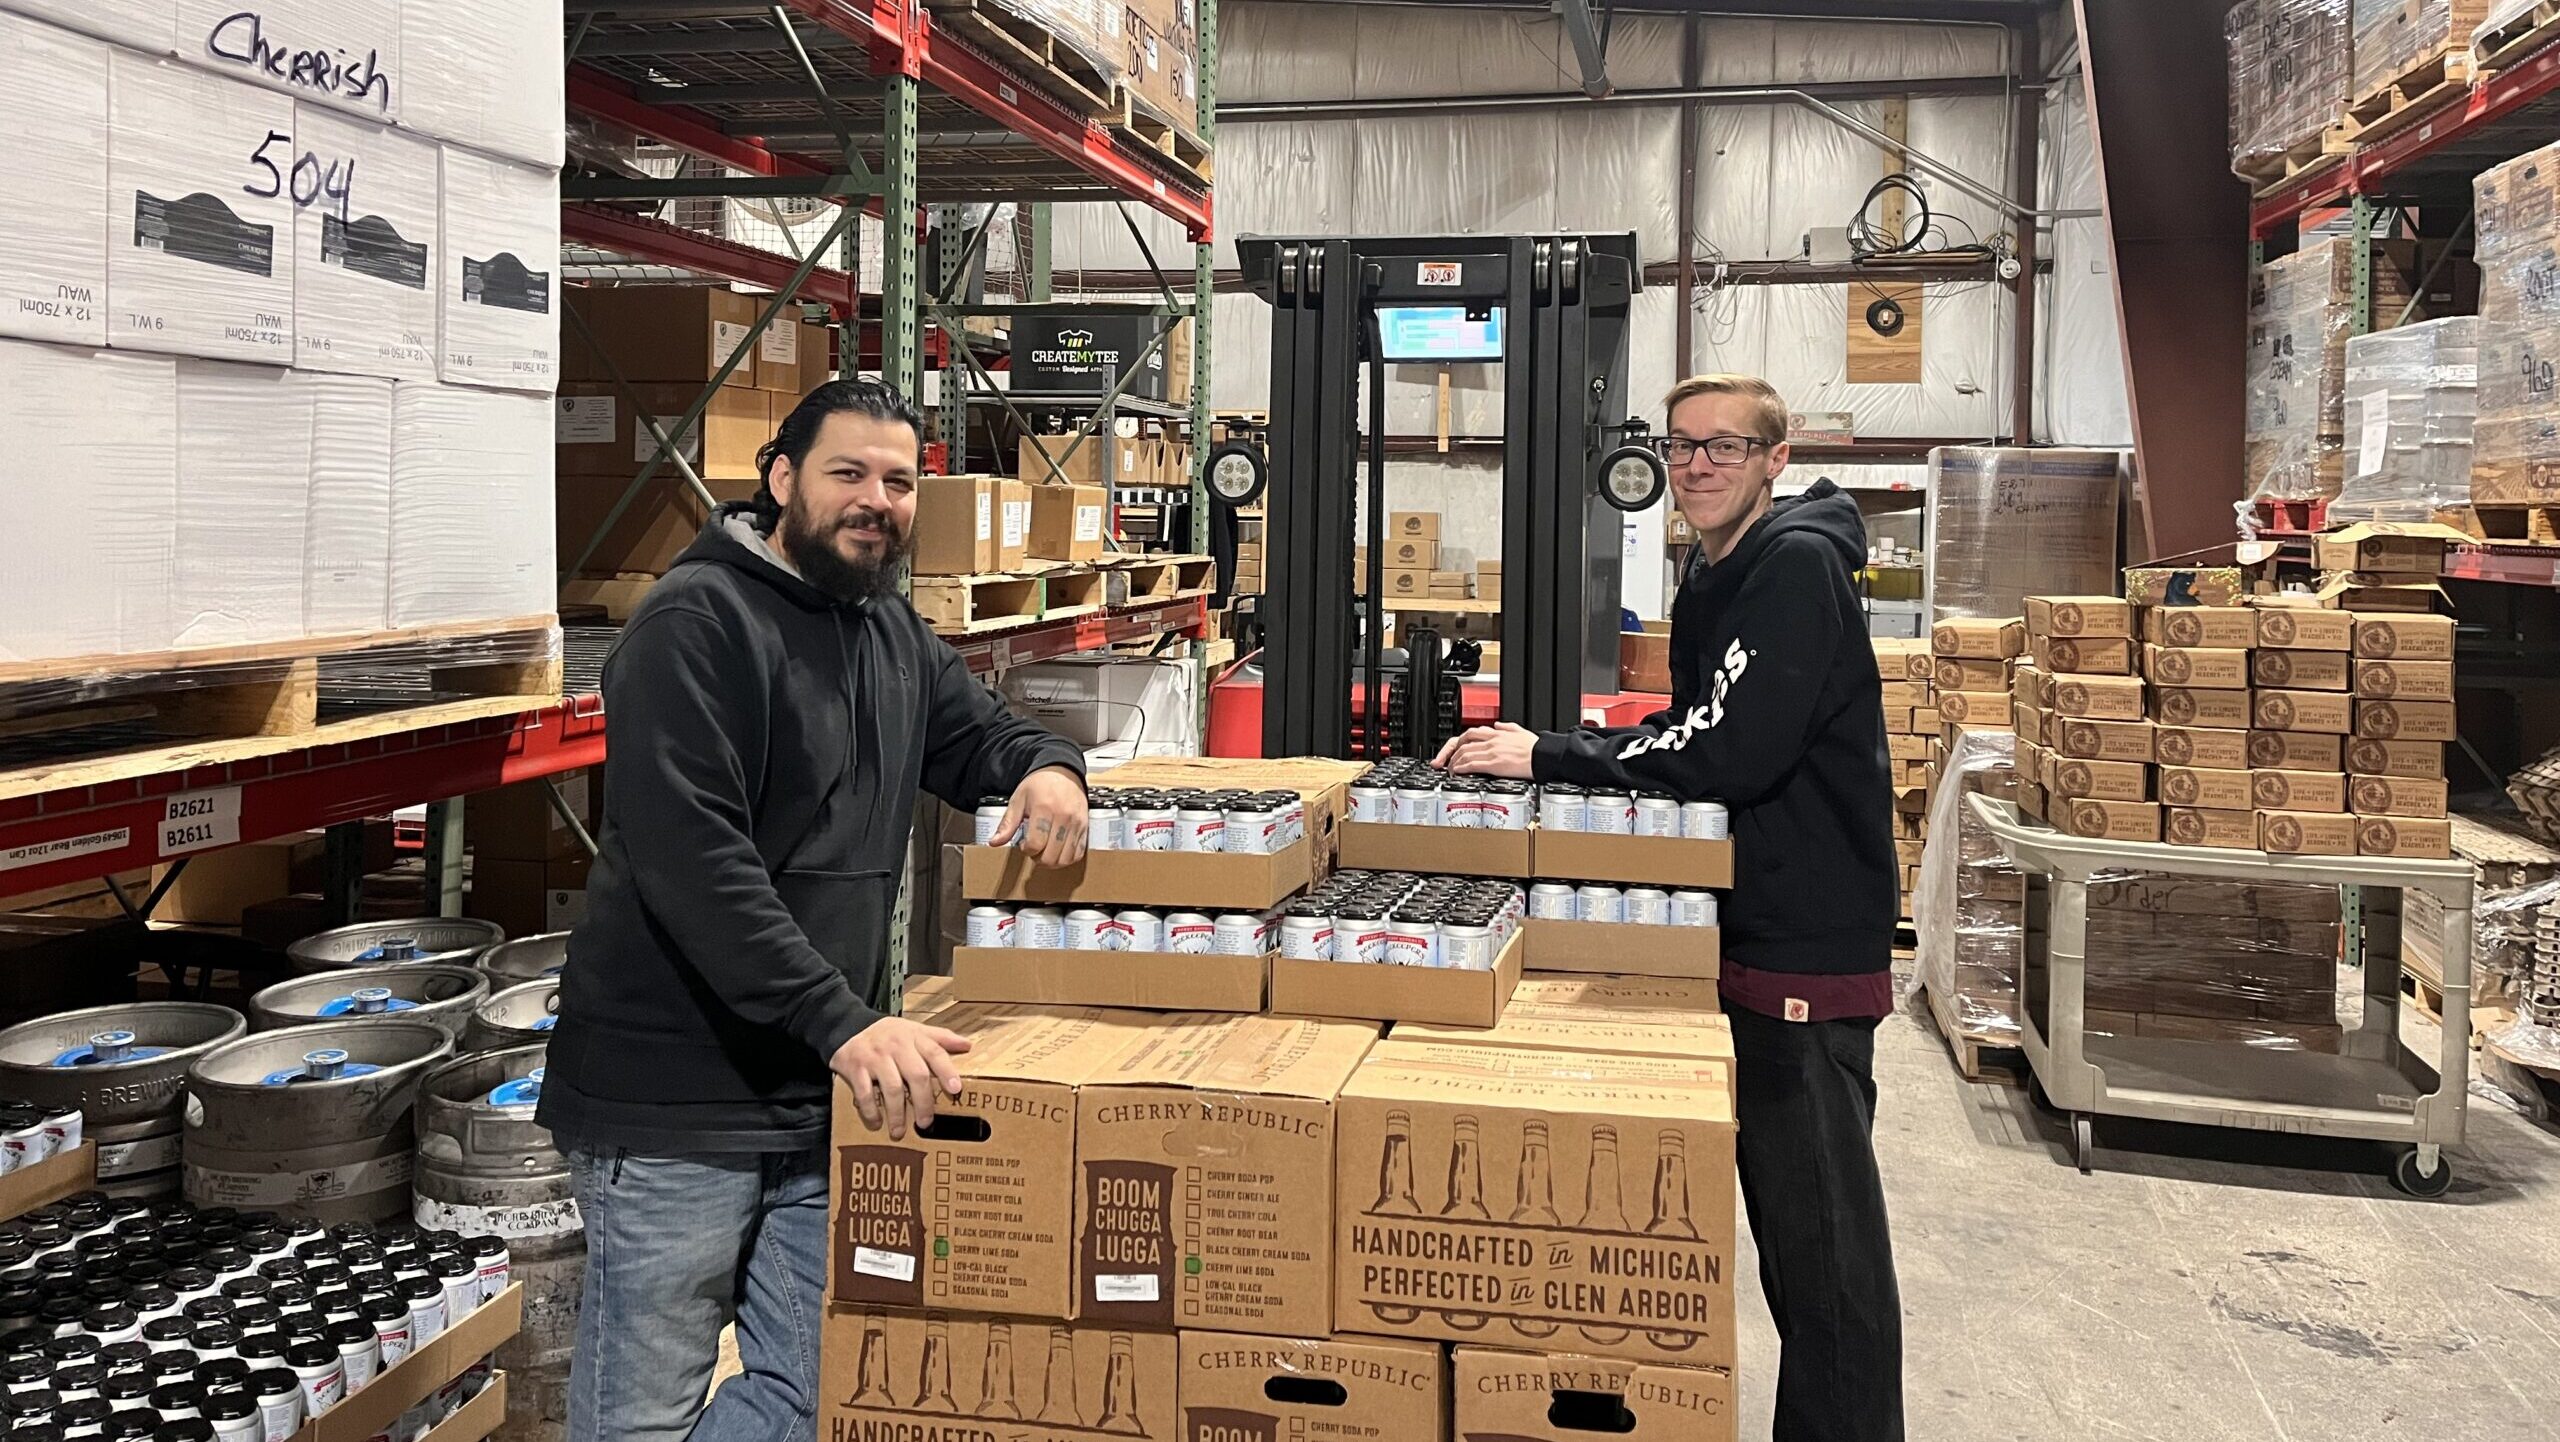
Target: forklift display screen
[(1431, 333)]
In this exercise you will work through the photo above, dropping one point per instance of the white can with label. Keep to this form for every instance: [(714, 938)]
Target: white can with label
[(1657, 816), (1140, 930), (1190, 932), (1609, 813), (1693, 908), (1417, 806), (1306, 938), (1553, 901), (1360, 938), (1039, 928), (1647, 906), (1199, 828), (1372, 804), (990, 926), (1237, 933), (1561, 810), (1148, 828), (1102, 828), (1507, 810), (989, 816), (1413, 941), (1704, 821), (1091, 930), (1466, 947), (1599, 903), (1250, 830)]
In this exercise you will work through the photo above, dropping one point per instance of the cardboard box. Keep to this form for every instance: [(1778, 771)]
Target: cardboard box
[(2191, 826), (1593, 1017), (2295, 750), (1205, 1172), (2072, 616), (1974, 708), (1247, 1388), (1413, 525), (1067, 522), (1137, 980), (370, 1410), (1903, 695), (1956, 673), (48, 1181), (1551, 1397), (2299, 670), (1449, 850), (2272, 790), (365, 297), (529, 897), (792, 359), (1418, 554), (1981, 640), (596, 432), (2326, 712), (2216, 749), (1621, 949), (2305, 628), (2097, 698), (2396, 796), (1456, 584), (1370, 992), (2405, 720), (2173, 587), (54, 226), (1637, 860), (2423, 760), (1043, 458), (2192, 706), (498, 319), (1013, 523), (2217, 627), (893, 1375), (1406, 584), (980, 1215), (2104, 780), (649, 535), (1582, 1190), (2405, 638), (956, 525), (2404, 836), (2404, 680), (1144, 878), (2199, 666), (2105, 740), (199, 253), (659, 333), (1909, 746), (1644, 659), (2409, 547), (2033, 686), (2210, 788), (2108, 820), (2307, 833), (519, 823)]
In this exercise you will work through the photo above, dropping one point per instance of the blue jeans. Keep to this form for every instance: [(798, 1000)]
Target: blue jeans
[(677, 1248)]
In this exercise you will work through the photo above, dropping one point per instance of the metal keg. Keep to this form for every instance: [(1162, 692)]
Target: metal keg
[(518, 1016), (527, 958), (447, 940), (486, 1167), (444, 995), (310, 1121), (125, 1068)]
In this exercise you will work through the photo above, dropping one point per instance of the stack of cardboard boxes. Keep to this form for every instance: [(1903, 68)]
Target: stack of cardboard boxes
[(1972, 980), (2189, 959), (1912, 746), (1249, 578), (528, 868)]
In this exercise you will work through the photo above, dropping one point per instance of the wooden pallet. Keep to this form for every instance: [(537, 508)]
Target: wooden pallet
[(173, 711), (965, 605), (2327, 147), (2520, 36), (2424, 993), (2425, 87), (1146, 126), (1038, 53), (2528, 525), (1135, 578), (1978, 1057)]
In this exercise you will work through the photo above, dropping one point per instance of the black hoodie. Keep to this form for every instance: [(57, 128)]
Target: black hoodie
[(1778, 712), (767, 746)]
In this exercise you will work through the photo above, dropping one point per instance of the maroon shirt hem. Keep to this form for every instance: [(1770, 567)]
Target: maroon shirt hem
[(1807, 996)]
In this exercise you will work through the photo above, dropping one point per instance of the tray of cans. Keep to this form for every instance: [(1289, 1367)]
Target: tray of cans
[(1397, 946), (1601, 927), (1138, 956), (43, 1156), (1232, 850), (1630, 837), (1409, 813)]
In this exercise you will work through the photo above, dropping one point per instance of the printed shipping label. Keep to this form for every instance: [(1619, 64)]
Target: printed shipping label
[(1088, 523), (780, 343), (200, 819), (584, 421), (726, 337), (644, 446)]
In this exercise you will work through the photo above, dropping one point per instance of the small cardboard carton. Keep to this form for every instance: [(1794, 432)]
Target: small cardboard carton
[(1067, 522), (2097, 655), (2299, 670), (1499, 1196), (2409, 547), (1554, 990), (2404, 638), (977, 1215), (2211, 667), (1897, 655), (1961, 673), (2221, 750), (1204, 1173), (1682, 862), (2307, 833), (895, 1375), (2404, 680), (2405, 720), (1900, 695), (41, 1183), (2396, 796), (2201, 706), (2219, 627), (1241, 882), (2208, 788), (1413, 525), (2294, 627), (2326, 712), (1557, 1397), (2295, 750), (1604, 948), (1980, 640), (2104, 740), (2098, 698), (2193, 826), (2272, 790), (2422, 760), (2404, 836), (1247, 1388), (1398, 993), (1013, 523), (2079, 616), (1986, 708), (955, 525), (1407, 583), (2105, 780), (2108, 820)]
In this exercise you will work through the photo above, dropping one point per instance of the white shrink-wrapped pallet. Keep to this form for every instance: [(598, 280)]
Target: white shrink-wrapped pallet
[(244, 493), (364, 263), (91, 469), (200, 254), (347, 552), (499, 296), (53, 211), (341, 53), (471, 503), (499, 75), (150, 26)]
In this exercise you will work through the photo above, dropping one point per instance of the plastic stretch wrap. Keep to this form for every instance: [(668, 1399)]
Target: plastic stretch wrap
[(1093, 29), (347, 562), (489, 74), (499, 296), (2301, 311), (53, 213), (2081, 398), (244, 495), (364, 265), (2291, 74), (2499, 14), (1970, 910), (471, 503), (2006, 523), (2393, 37), (2529, 921), (94, 481), (2410, 403), (2516, 445), (340, 53), (150, 26), (201, 257), (2183, 958)]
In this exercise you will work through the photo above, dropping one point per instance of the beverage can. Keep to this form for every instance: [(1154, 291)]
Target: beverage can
[(1148, 828), (1703, 821), (1372, 803), (989, 816), (1039, 928), (1553, 901), (990, 926), (1648, 906), (1250, 829), (1190, 932), (1306, 938), (1609, 813), (1090, 930), (1657, 816), (1140, 930), (1102, 828), (1417, 806), (1237, 933), (1560, 809), (1693, 908), (1200, 828), (1595, 902), (1360, 935), (1413, 941), (1466, 946), (1507, 808)]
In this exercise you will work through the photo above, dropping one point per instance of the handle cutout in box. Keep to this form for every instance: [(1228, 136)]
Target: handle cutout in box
[(1291, 1391), (1606, 1412)]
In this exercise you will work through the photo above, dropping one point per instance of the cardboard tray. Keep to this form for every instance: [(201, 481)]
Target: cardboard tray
[(1609, 948), (372, 1408), (49, 1181), (1665, 861), (1140, 878), (1146, 980), (1366, 992), (478, 1418), (1450, 850)]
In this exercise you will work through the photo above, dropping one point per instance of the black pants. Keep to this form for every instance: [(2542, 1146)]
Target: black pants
[(1805, 1095)]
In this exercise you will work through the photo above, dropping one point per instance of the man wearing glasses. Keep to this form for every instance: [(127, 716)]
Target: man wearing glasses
[(1777, 711)]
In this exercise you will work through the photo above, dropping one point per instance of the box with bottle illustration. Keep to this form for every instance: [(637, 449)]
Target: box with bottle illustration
[(1537, 1199), (896, 1373)]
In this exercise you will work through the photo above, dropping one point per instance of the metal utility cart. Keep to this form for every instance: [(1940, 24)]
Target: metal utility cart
[(2373, 1088)]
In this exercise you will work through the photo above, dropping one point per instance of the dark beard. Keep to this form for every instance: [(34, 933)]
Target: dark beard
[(808, 544)]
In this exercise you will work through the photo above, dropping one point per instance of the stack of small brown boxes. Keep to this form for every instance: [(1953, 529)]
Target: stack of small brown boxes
[(2082, 735), (1412, 554), (1908, 669)]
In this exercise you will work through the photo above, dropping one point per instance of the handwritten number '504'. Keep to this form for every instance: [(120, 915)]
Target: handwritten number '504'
[(313, 180)]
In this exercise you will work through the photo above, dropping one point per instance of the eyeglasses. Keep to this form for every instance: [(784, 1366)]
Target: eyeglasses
[(1722, 450)]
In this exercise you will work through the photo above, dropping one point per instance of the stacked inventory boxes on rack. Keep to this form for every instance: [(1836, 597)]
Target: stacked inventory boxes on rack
[(1913, 747)]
